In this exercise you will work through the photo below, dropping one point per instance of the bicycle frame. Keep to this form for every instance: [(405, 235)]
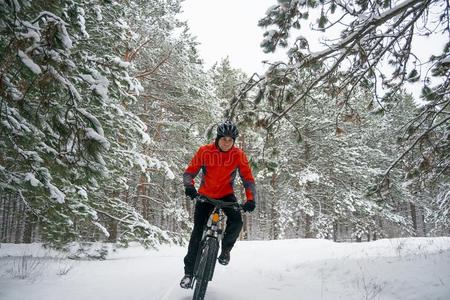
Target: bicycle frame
[(209, 245)]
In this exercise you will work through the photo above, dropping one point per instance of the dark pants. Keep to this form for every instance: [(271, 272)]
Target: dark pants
[(201, 214)]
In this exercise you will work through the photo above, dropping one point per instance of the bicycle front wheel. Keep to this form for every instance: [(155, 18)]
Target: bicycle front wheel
[(200, 289), (205, 268)]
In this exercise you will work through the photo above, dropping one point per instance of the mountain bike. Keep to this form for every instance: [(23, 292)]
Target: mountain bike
[(205, 262)]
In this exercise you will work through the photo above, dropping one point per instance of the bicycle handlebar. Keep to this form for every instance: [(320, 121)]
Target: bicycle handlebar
[(218, 203)]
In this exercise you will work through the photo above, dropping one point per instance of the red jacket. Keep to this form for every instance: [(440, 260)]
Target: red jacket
[(219, 170)]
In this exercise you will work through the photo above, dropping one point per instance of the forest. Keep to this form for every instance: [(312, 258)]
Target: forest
[(104, 102)]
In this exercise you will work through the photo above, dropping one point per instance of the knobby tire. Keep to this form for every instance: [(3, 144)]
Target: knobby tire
[(205, 268)]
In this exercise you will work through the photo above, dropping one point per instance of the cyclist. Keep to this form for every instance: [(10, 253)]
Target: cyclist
[(220, 162)]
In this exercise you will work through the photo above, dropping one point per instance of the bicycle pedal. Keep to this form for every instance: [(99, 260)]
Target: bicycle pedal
[(223, 262)]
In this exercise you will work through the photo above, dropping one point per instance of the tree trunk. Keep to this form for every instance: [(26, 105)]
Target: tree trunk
[(244, 232), (142, 190), (335, 231), (4, 223), (19, 223), (112, 229), (275, 219), (307, 156), (28, 227), (413, 217), (308, 233), (425, 227), (298, 226), (274, 215), (12, 215)]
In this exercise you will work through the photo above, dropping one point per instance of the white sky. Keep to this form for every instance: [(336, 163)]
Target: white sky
[(230, 28)]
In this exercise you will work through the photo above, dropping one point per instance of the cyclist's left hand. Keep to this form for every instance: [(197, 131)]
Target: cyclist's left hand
[(190, 191), (249, 206)]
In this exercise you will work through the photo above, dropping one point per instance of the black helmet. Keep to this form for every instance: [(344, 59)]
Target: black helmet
[(227, 129)]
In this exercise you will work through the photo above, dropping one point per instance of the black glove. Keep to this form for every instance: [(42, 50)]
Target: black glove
[(190, 191), (249, 206)]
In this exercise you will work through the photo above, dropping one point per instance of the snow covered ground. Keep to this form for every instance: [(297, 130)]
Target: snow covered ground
[(413, 268)]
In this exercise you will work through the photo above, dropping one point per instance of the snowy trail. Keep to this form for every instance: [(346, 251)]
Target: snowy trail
[(290, 269)]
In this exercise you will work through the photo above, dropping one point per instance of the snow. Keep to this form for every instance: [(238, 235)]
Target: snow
[(62, 30), (308, 176), (446, 60), (99, 83), (82, 22), (118, 61), (31, 155), (271, 8), (11, 89), (82, 192), (35, 68), (102, 228), (65, 82), (32, 179), (170, 174), (95, 122), (55, 193), (444, 199), (269, 36), (65, 38), (145, 137), (121, 23), (32, 34), (412, 268), (98, 12), (54, 55), (91, 134)]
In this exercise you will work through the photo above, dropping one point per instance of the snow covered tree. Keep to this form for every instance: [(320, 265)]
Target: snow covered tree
[(68, 140), (375, 38), (176, 106), (226, 79), (376, 47), (321, 163)]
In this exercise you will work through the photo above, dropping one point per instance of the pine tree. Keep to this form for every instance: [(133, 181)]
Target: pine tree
[(375, 48), (300, 94), (68, 140), (325, 160), (226, 79)]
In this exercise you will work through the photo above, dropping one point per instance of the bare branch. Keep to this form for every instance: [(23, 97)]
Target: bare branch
[(412, 146), (154, 69)]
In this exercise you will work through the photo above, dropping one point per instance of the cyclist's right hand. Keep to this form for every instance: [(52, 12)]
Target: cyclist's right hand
[(248, 206), (190, 191)]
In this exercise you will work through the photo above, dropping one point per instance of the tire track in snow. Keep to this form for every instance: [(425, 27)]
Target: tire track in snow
[(170, 293)]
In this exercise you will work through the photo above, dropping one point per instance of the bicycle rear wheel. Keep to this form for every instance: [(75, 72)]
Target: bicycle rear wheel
[(205, 268)]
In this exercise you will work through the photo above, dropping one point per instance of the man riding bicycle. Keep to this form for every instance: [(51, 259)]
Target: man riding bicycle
[(220, 162)]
